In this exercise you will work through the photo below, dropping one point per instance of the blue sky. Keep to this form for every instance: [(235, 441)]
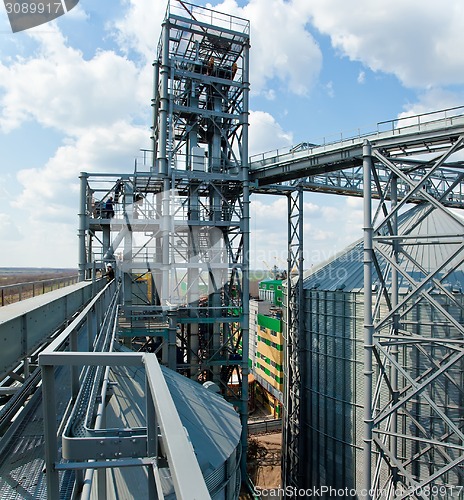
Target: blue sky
[(75, 96)]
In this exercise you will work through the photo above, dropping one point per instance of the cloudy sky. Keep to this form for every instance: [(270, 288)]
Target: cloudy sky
[(75, 96)]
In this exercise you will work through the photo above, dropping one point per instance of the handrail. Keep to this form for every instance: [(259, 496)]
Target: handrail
[(186, 473), (140, 446), (28, 289), (403, 122)]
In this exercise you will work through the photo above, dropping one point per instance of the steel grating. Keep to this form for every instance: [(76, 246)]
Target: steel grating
[(22, 460)]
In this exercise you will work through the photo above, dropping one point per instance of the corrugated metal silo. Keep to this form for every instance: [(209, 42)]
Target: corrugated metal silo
[(334, 381)]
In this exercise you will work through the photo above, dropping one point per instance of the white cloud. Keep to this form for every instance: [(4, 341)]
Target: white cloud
[(77, 13), (415, 40), (283, 50), (9, 230), (46, 210), (329, 89), (58, 88), (94, 102), (103, 149), (140, 27), (432, 100), (266, 134)]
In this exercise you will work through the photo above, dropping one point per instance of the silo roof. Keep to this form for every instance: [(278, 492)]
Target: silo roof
[(213, 425), (439, 233)]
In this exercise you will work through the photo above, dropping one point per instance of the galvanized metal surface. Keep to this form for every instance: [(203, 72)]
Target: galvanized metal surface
[(403, 138), (426, 442), (294, 346), (27, 324)]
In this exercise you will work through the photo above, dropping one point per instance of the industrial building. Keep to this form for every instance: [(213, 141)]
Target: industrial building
[(266, 346), (270, 290), (138, 385)]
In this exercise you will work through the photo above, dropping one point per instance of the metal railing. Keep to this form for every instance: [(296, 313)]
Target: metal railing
[(434, 119), (16, 292), (114, 448)]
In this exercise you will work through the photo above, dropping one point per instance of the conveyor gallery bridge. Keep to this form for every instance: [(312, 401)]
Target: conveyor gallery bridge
[(336, 166), (71, 339)]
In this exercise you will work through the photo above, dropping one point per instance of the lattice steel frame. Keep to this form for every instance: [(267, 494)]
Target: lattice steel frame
[(191, 206), (388, 337), (294, 347), (200, 134)]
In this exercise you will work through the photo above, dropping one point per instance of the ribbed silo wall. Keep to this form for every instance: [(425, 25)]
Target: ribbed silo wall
[(334, 390), (445, 393)]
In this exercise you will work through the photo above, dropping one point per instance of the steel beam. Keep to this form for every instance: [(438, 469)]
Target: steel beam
[(293, 446), (415, 373)]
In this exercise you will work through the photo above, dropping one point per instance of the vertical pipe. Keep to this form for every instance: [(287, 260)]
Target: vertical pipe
[(82, 224), (155, 131), (163, 160), (108, 251), (74, 369), (152, 437), (172, 346), (395, 326), (246, 254), (215, 237), (164, 100), (166, 240), (50, 430), (128, 244), (368, 319), (191, 332)]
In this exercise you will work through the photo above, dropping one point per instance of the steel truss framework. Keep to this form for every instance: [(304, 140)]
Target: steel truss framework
[(183, 221), (396, 173), (192, 208), (201, 154), (294, 347), (414, 420)]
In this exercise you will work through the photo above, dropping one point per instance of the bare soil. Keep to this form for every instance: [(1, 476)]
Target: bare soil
[(268, 473)]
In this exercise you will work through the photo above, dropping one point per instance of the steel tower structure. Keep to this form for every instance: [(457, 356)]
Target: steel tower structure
[(181, 225), (200, 134)]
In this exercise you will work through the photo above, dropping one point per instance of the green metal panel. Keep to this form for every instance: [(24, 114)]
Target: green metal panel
[(273, 324)]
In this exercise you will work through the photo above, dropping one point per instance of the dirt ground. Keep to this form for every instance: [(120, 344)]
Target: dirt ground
[(264, 452), (268, 474)]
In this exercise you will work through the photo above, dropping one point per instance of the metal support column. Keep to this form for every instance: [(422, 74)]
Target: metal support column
[(246, 254), (83, 226), (294, 349), (414, 430), (368, 319)]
